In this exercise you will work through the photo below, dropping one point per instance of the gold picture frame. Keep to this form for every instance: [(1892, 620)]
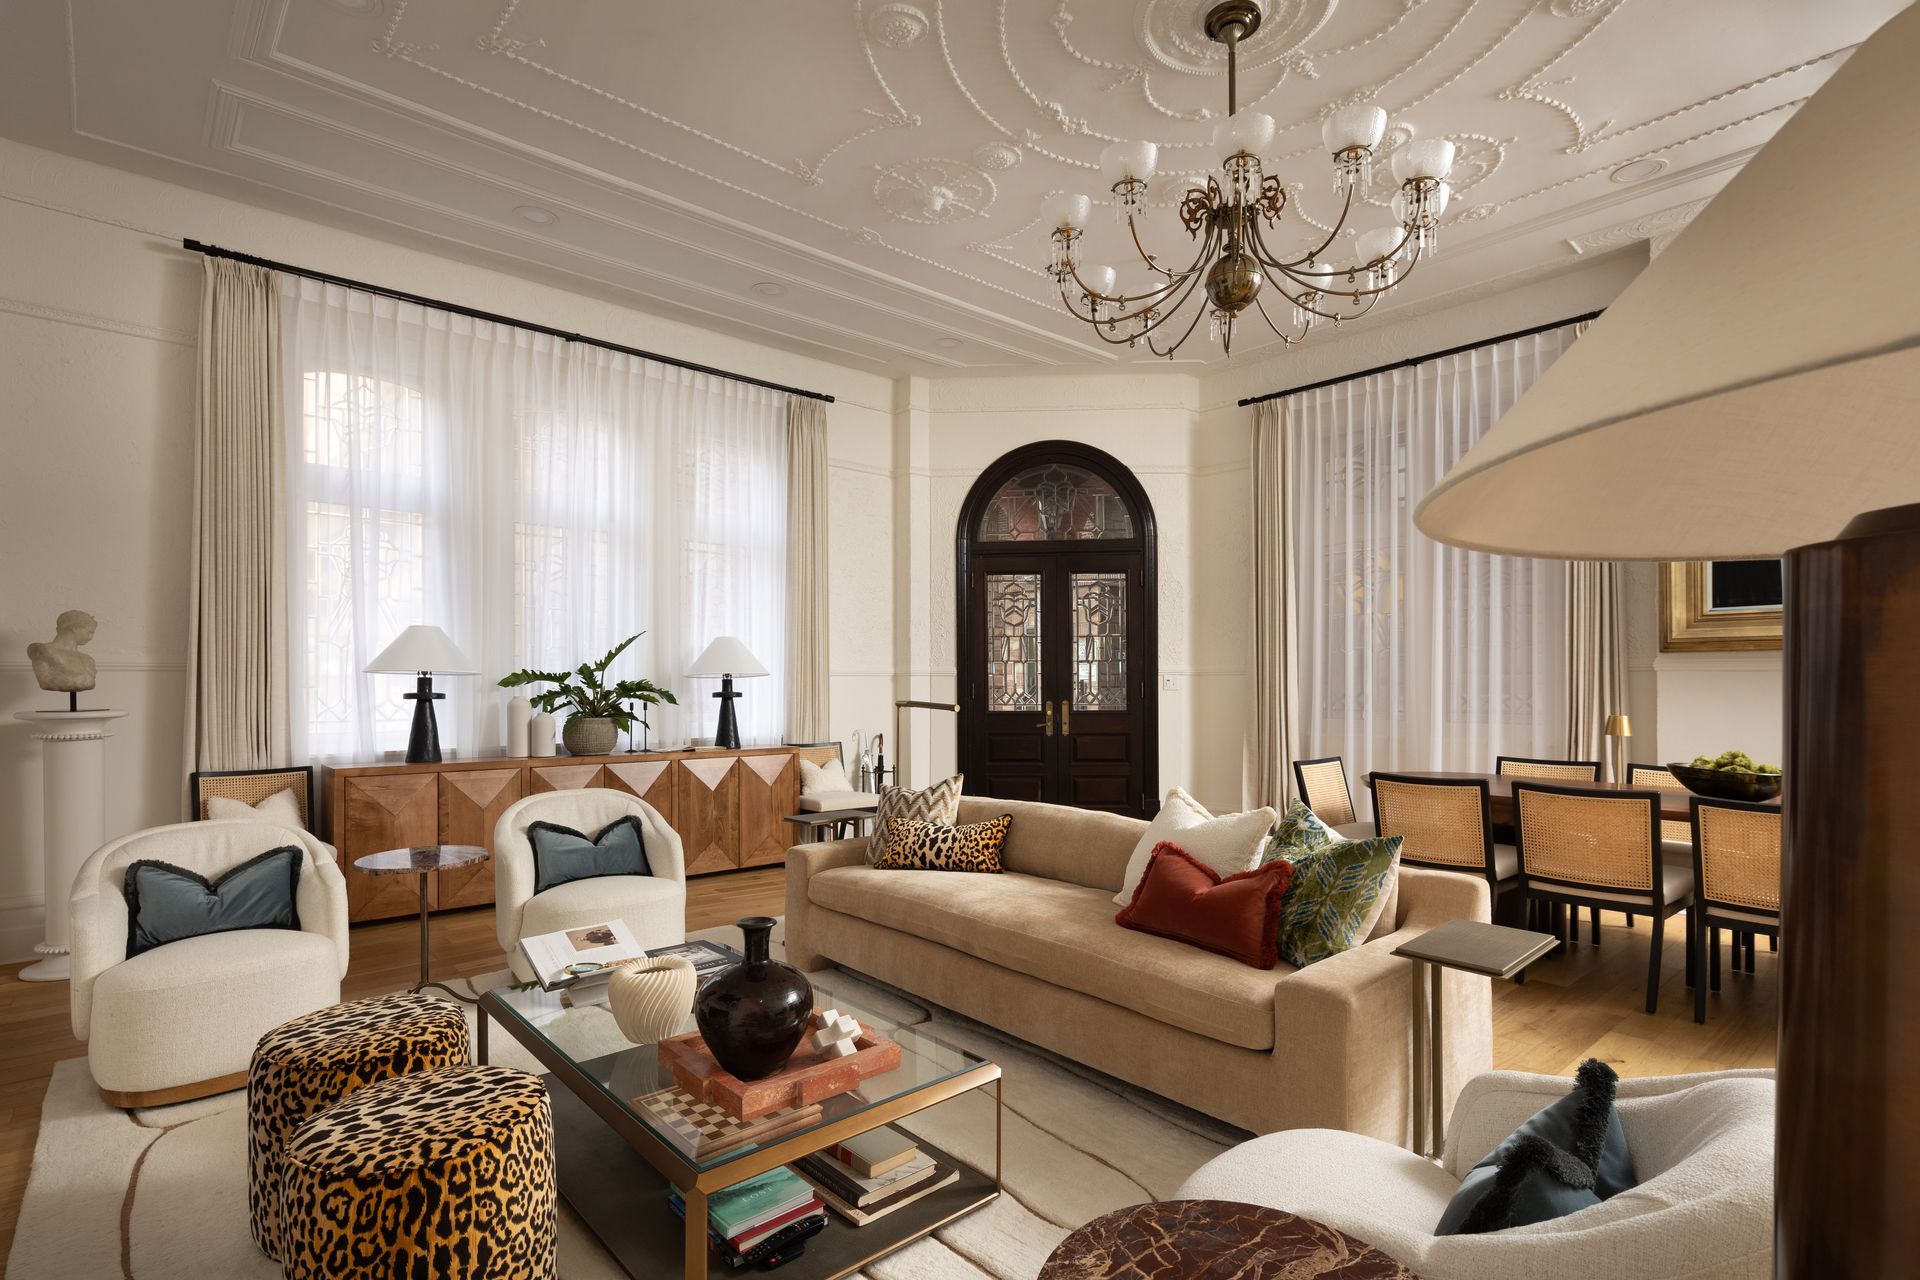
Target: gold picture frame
[(1690, 624)]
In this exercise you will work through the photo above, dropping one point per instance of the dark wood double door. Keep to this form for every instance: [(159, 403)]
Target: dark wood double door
[(1055, 706)]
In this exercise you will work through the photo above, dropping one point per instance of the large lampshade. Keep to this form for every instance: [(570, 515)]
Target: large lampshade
[(726, 656), (1735, 400), (422, 648)]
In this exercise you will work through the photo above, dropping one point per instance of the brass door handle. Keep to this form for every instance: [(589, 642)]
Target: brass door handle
[(1049, 724), (1066, 718)]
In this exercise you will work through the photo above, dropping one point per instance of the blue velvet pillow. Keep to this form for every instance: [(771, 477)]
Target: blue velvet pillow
[(166, 903), (562, 855), (1569, 1155)]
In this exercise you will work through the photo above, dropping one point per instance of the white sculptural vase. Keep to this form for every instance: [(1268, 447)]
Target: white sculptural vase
[(652, 998)]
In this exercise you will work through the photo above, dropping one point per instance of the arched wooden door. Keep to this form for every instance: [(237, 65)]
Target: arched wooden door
[(1058, 680)]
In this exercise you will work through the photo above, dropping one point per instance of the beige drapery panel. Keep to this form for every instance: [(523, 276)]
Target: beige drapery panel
[(1269, 754), (808, 668), (1596, 650), (237, 694), (1596, 656)]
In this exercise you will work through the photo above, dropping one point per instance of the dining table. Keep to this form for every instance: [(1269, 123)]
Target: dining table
[(1676, 805)]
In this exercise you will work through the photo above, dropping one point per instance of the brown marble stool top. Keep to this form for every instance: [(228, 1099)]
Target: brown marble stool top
[(1214, 1240)]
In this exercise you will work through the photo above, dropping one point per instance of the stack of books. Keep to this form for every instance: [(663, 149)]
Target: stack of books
[(869, 1176), (705, 1131), (761, 1222)]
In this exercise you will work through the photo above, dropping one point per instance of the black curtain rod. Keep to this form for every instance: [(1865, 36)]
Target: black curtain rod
[(1410, 361), (215, 251)]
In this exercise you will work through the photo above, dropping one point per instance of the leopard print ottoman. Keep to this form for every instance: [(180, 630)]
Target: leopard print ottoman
[(305, 1066), (447, 1175)]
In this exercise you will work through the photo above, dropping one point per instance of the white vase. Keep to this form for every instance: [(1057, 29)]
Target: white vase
[(519, 726), (652, 998), (540, 735)]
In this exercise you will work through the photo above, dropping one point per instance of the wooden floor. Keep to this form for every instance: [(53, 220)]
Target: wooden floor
[(1586, 1003)]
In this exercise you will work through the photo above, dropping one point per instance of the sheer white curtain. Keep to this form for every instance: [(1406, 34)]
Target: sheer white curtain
[(538, 500), (1414, 655)]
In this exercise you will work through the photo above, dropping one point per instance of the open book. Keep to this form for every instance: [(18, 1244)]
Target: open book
[(570, 956)]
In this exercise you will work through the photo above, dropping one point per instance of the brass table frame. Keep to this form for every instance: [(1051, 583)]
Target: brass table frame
[(698, 1185)]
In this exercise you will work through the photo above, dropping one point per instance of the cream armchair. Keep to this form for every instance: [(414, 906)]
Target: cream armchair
[(1702, 1147), (180, 1021), (654, 906)]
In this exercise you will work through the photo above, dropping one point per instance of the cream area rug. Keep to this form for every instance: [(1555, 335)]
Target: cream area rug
[(162, 1194)]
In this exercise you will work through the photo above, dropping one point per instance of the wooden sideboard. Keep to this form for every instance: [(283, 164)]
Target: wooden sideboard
[(726, 805)]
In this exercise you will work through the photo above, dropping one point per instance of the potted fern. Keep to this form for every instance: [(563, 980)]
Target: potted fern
[(598, 712)]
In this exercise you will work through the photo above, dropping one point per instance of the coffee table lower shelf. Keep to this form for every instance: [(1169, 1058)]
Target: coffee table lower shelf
[(623, 1201)]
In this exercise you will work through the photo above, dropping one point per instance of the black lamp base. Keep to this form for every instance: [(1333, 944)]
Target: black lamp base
[(423, 743), (727, 732)]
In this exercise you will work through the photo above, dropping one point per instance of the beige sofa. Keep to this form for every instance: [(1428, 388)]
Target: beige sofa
[(1035, 952)]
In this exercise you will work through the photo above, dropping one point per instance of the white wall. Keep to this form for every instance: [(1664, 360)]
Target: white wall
[(1694, 704), (98, 313)]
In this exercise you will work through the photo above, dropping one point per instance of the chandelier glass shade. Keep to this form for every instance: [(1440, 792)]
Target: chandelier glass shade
[(1231, 217)]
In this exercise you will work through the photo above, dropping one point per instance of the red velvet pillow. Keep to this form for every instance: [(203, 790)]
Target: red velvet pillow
[(1184, 899)]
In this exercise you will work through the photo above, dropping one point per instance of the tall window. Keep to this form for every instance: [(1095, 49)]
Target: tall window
[(538, 500), (1414, 655)]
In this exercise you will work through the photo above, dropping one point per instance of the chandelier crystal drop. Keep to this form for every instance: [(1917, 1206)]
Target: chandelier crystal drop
[(1231, 216)]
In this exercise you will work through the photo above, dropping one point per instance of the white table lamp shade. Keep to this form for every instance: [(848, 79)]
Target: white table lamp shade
[(726, 656), (422, 648), (1709, 414)]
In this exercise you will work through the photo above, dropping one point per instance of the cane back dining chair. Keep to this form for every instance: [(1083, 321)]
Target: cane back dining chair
[(1323, 785), (1445, 824), (251, 786), (1658, 776), (1591, 849), (1547, 770), (1736, 868)]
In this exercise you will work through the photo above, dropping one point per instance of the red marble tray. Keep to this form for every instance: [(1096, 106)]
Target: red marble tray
[(807, 1078)]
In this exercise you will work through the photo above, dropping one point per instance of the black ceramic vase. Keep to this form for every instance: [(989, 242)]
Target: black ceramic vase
[(754, 1015)]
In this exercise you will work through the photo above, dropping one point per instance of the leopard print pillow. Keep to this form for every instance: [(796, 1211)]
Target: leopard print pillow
[(933, 846)]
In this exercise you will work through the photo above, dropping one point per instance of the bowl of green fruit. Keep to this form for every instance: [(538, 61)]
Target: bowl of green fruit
[(1732, 775)]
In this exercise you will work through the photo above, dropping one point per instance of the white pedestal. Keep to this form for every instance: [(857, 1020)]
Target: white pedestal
[(73, 766)]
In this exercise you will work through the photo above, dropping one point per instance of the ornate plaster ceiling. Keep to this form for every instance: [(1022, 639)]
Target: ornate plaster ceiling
[(862, 179)]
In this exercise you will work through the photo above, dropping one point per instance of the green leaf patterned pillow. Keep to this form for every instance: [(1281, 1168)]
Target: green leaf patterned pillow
[(1298, 830), (1330, 897)]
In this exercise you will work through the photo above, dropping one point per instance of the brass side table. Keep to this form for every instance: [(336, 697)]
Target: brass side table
[(425, 861), (1471, 946)]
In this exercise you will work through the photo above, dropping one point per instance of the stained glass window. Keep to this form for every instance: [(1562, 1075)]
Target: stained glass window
[(1013, 642), (1099, 642), (1055, 502)]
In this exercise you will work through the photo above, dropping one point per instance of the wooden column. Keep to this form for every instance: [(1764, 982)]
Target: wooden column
[(1847, 1163)]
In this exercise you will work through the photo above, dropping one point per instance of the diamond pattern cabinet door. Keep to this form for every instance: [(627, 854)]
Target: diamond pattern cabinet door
[(706, 812), (564, 777), (471, 802), (650, 780), (769, 791), (379, 812)]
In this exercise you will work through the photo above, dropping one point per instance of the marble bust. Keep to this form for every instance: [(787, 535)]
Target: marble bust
[(58, 664)]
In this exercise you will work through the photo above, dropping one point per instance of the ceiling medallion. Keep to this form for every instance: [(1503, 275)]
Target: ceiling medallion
[(1227, 216), (536, 215), (996, 157), (769, 288), (897, 25), (1638, 170), (933, 190)]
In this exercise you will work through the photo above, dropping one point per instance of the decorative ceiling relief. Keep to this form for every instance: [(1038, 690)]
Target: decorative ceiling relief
[(933, 190), (890, 158)]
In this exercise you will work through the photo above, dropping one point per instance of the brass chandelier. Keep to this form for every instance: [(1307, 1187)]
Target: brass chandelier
[(1233, 263)]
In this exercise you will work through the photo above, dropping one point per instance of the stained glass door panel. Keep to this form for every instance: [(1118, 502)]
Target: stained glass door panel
[(1014, 632), (1099, 641)]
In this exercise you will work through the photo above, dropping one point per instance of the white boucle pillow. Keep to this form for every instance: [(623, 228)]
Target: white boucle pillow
[(279, 808), (817, 779), (1228, 844)]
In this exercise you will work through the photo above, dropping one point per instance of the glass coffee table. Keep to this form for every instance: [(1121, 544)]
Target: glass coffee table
[(616, 1162)]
